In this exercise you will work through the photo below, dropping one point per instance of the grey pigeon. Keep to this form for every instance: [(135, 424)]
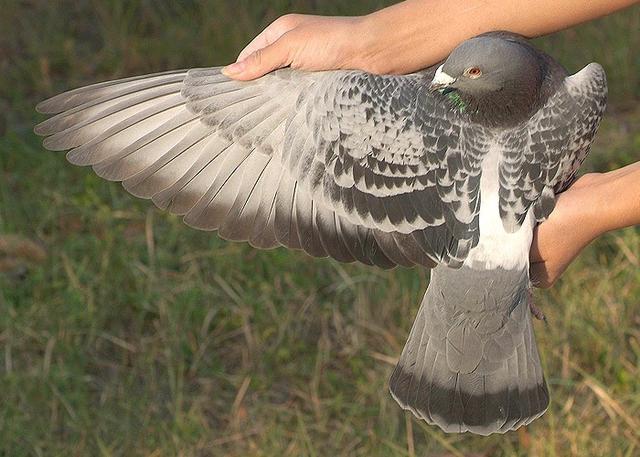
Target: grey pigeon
[(448, 168)]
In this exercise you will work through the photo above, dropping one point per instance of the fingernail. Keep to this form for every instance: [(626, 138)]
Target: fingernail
[(234, 68)]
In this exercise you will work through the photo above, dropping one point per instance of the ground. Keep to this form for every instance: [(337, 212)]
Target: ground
[(123, 332)]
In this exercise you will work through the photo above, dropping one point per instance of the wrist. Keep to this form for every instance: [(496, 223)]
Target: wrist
[(590, 206), (618, 198), (366, 44), (415, 34), (390, 41)]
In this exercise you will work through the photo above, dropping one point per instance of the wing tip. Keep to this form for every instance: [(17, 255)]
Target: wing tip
[(40, 129), (592, 74), (51, 105), (47, 127), (56, 143), (42, 107)]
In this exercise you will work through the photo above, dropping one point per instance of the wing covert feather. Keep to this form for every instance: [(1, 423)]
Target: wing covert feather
[(542, 157)]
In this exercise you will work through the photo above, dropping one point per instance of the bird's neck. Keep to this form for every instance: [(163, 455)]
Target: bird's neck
[(504, 108)]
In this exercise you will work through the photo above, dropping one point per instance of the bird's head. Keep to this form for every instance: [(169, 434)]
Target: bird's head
[(492, 77)]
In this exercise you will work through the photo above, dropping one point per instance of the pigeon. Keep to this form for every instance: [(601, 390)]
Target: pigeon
[(449, 168)]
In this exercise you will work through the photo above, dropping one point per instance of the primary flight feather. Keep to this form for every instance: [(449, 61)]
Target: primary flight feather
[(448, 168)]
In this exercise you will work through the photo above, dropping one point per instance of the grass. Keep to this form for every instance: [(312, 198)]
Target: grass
[(122, 332)]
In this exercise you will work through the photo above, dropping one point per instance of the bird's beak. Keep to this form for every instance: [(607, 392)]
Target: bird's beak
[(441, 81)]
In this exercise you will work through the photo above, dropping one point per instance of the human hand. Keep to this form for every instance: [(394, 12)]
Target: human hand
[(558, 240), (595, 204), (404, 37), (303, 42)]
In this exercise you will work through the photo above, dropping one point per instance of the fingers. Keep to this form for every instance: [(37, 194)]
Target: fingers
[(258, 42), (261, 61), (540, 276), (272, 33)]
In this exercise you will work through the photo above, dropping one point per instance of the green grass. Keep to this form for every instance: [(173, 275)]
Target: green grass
[(123, 332)]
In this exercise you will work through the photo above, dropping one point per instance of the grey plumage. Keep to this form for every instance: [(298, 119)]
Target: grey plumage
[(472, 348), (383, 170)]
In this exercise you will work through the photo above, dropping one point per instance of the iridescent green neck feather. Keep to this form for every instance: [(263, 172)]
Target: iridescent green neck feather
[(454, 96)]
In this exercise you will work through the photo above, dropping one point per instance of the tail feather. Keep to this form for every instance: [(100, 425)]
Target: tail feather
[(485, 380)]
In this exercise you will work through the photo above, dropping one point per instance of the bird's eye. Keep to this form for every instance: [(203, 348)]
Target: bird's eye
[(473, 72)]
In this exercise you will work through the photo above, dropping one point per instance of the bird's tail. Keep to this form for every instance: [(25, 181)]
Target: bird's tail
[(471, 361)]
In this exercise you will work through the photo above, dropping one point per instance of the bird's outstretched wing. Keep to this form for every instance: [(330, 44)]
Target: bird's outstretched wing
[(541, 158), (343, 164)]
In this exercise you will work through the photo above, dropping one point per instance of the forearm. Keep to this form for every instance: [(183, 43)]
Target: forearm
[(620, 198), (404, 37), (417, 33)]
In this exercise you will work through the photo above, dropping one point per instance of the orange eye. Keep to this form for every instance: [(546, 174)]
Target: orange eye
[(473, 72)]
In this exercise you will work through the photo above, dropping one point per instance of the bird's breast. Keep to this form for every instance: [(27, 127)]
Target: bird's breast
[(496, 247)]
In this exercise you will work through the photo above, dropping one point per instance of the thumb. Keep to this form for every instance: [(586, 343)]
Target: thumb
[(260, 62)]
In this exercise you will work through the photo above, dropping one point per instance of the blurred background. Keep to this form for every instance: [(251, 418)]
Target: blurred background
[(123, 332)]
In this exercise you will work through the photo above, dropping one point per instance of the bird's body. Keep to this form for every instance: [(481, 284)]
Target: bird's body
[(452, 166)]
